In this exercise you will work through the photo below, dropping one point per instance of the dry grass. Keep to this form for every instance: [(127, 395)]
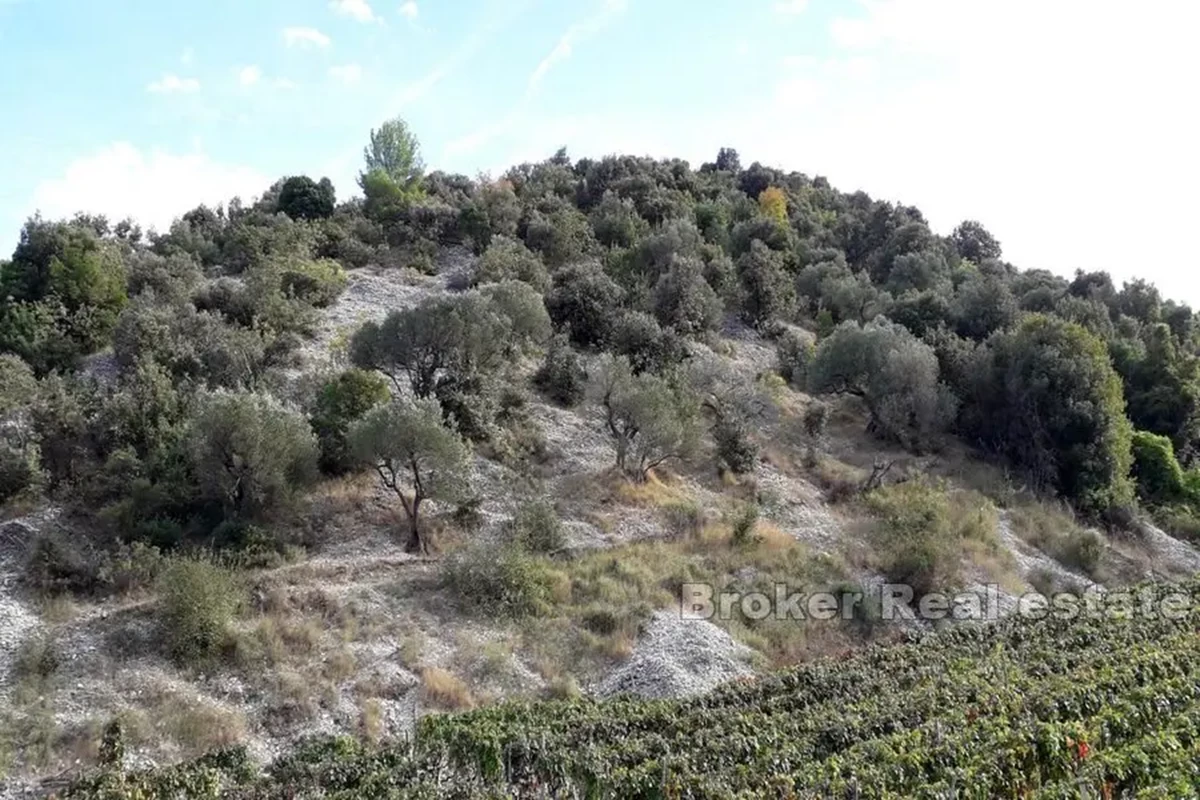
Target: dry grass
[(660, 489), (445, 690)]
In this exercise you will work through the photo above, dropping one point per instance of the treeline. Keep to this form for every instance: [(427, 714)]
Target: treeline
[(1089, 390)]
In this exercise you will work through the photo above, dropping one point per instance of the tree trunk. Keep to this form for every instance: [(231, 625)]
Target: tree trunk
[(416, 543)]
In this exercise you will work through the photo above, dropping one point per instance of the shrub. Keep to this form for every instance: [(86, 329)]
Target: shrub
[(55, 564), (684, 301), (815, 420), (509, 259), (1156, 471), (17, 472), (684, 519), (317, 282), (648, 347), (500, 581), (585, 302), (561, 376), (537, 528), (894, 373), (301, 197), (795, 352), (767, 289), (1047, 397), (918, 546), (197, 602), (743, 523), (735, 447), (248, 453)]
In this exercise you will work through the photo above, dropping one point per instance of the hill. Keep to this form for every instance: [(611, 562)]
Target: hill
[(299, 468)]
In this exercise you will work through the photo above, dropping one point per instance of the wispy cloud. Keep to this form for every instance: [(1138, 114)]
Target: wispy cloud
[(416, 90), (249, 75), (355, 9), (346, 73), (410, 10), (305, 37), (187, 56), (170, 83), (562, 50)]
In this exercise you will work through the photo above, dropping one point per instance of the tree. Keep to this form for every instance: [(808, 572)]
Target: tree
[(773, 204), (301, 197), (973, 241), (584, 301), (894, 373), (616, 222), (768, 291), (340, 403), (684, 300), (648, 347), (248, 453), (651, 420), (395, 153), (1049, 400), (415, 456)]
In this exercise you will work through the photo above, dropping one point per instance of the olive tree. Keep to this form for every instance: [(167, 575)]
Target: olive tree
[(248, 453), (415, 456), (894, 373), (651, 419)]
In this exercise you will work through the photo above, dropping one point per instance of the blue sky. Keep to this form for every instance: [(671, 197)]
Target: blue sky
[(1068, 127)]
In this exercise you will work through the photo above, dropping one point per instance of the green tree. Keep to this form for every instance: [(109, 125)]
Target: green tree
[(394, 152), (768, 291), (415, 456), (301, 197), (509, 259), (894, 373), (651, 420), (684, 301), (248, 453), (340, 403), (1049, 400)]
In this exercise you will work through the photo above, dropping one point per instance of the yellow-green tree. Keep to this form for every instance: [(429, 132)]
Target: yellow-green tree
[(773, 204)]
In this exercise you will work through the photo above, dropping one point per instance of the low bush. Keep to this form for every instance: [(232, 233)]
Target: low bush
[(498, 581), (561, 376), (197, 603), (537, 528)]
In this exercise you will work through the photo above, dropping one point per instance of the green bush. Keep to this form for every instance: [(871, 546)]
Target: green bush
[(561, 376), (1156, 471), (318, 282), (735, 447), (795, 352), (684, 519), (498, 581), (743, 523), (537, 528), (509, 259), (17, 472), (56, 564), (917, 544), (197, 603)]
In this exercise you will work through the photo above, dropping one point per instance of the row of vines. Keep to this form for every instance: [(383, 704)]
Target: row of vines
[(1092, 707)]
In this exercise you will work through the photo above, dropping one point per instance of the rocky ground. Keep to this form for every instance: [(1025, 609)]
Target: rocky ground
[(358, 636)]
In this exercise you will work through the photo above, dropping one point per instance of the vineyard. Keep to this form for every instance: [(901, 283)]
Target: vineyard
[(1092, 707)]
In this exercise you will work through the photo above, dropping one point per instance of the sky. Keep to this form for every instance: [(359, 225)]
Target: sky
[(1068, 127)]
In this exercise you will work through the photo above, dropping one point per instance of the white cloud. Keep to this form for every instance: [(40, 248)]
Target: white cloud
[(249, 75), (305, 37), (152, 187), (346, 73), (355, 9), (170, 83), (1058, 125), (409, 10), (791, 6)]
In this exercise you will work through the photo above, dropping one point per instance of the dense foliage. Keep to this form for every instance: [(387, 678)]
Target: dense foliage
[(631, 257)]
